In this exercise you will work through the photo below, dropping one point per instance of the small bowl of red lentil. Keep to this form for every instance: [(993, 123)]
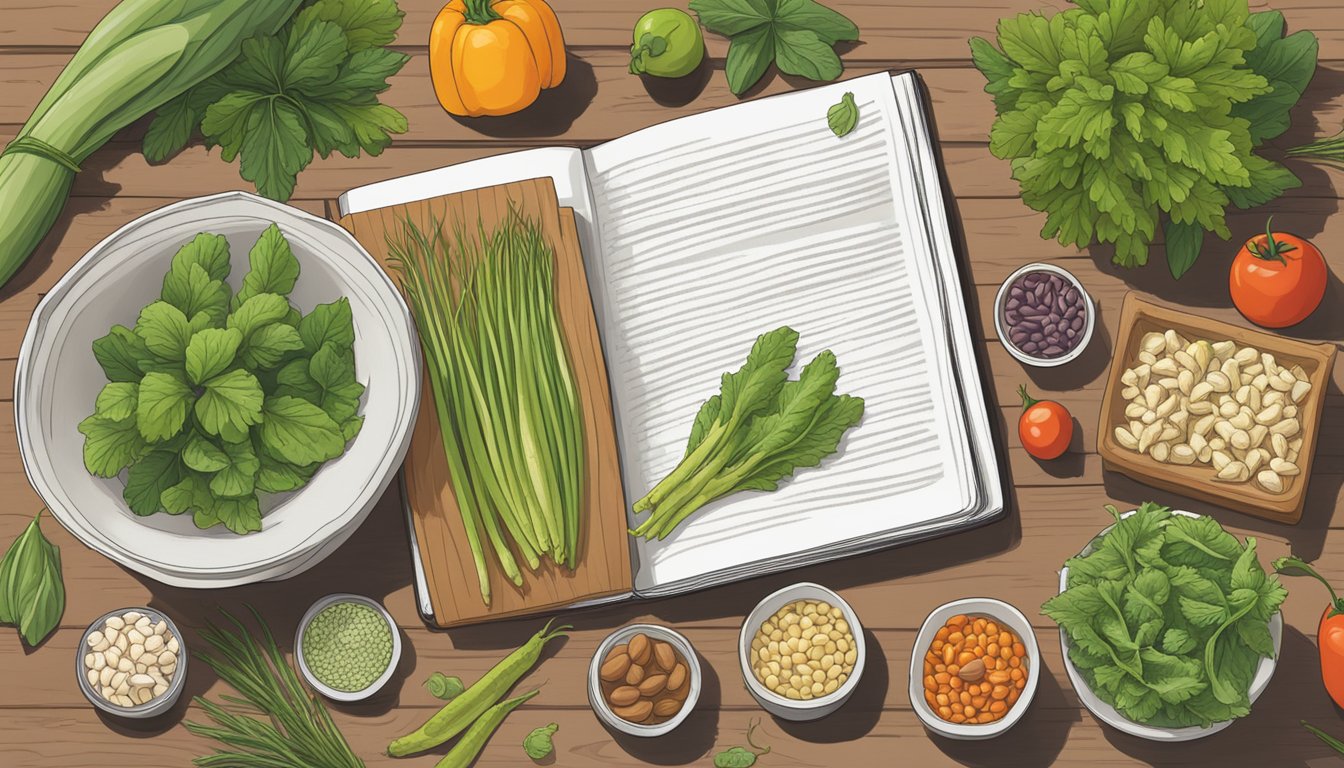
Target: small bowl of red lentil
[(974, 669)]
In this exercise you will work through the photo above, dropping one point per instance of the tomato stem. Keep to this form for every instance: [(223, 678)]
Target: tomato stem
[(1027, 400), (1294, 566), (1272, 250)]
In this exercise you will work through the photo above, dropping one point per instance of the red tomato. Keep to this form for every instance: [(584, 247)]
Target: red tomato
[(1277, 279), (1045, 427)]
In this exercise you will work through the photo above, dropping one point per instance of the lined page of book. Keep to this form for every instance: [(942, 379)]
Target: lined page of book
[(719, 227)]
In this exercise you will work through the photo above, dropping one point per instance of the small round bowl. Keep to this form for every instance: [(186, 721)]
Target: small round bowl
[(1112, 717), (153, 707), (323, 688), (1089, 322), (603, 710), (1005, 615), (779, 706)]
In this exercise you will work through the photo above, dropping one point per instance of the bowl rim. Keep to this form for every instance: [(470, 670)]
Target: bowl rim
[(1112, 717), (1089, 322), (753, 621), (317, 607), (657, 632), (1002, 612), (154, 706), (34, 447)]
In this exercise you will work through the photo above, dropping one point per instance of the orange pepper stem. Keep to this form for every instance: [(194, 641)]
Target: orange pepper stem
[(480, 12), (1272, 250), (1027, 400), (1293, 566)]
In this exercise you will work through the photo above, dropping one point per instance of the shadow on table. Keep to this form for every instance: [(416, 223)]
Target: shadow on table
[(554, 111), (361, 565), (1272, 735), (1036, 740)]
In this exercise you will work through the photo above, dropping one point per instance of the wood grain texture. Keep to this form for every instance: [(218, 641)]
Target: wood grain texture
[(1057, 505), (604, 551)]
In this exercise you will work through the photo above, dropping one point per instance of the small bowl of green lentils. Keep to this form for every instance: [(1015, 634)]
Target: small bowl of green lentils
[(347, 647)]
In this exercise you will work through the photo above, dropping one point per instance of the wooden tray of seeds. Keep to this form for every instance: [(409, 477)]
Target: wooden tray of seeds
[(1176, 472)]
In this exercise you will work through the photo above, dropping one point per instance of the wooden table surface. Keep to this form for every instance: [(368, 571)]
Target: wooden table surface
[(44, 720)]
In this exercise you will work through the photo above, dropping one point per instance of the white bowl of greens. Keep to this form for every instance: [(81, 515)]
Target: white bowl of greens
[(277, 527), (1188, 592)]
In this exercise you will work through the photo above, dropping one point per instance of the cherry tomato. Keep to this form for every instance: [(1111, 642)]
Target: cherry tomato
[(1277, 279), (1045, 427)]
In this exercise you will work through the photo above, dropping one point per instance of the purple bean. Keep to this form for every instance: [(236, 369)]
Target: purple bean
[(1029, 347), (1054, 350)]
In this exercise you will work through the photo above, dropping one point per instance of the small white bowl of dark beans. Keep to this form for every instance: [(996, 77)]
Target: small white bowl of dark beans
[(1044, 316)]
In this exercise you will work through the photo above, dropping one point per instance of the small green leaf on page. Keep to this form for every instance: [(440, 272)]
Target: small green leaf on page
[(844, 115)]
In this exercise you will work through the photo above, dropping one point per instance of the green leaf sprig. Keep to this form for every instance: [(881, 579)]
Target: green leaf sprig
[(798, 36), (843, 116), (32, 594), (741, 757), (539, 743), (1121, 119), (1168, 618), (312, 86), (214, 397)]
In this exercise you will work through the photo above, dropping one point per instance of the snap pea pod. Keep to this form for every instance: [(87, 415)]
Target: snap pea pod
[(473, 741), (459, 713)]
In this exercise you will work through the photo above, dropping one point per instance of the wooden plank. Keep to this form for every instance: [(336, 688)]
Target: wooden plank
[(918, 30), (564, 115)]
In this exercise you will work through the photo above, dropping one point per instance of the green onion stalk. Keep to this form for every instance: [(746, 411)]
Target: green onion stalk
[(141, 55), (503, 387)]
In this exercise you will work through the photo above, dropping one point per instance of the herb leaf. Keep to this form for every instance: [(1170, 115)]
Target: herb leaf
[(843, 116), (149, 478), (798, 35), (110, 445), (120, 353), (298, 432), (211, 351), (162, 407), (538, 744), (32, 595), (273, 267), (231, 401)]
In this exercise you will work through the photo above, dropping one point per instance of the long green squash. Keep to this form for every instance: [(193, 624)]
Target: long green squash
[(141, 55)]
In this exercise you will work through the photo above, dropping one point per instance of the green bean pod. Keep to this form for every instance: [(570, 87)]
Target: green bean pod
[(462, 711), (473, 741)]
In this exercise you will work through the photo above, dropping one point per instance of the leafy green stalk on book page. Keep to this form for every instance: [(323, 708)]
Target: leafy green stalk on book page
[(1121, 120), (798, 36)]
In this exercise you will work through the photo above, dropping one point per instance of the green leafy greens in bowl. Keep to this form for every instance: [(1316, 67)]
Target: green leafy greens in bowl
[(1168, 618), (1121, 115), (215, 396)]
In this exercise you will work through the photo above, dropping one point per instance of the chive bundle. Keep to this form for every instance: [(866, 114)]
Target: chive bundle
[(503, 387)]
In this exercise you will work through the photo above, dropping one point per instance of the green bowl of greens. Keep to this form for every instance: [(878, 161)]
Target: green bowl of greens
[(1169, 625)]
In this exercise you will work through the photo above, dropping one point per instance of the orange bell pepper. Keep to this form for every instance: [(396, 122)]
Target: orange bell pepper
[(1330, 632), (494, 58)]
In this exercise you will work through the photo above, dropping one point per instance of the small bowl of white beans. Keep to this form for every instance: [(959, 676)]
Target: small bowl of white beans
[(802, 652), (131, 663)]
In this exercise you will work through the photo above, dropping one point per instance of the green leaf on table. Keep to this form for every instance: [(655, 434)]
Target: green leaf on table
[(211, 352), (798, 35), (110, 445), (117, 400), (170, 130), (332, 323), (732, 17), (366, 24), (273, 267), (298, 432), (229, 404), (314, 51), (1184, 242), (162, 408)]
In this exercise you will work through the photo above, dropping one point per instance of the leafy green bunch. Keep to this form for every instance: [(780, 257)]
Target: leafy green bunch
[(1168, 618), (1121, 115), (311, 87), (214, 396), (797, 36)]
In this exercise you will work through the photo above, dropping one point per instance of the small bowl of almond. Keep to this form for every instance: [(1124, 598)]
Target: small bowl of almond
[(644, 680), (131, 663)]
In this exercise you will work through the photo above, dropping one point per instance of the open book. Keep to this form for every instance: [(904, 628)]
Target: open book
[(699, 234)]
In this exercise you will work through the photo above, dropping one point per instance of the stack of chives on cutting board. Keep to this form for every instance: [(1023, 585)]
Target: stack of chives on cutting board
[(503, 386)]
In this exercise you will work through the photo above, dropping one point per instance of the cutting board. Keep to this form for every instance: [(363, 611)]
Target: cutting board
[(603, 568)]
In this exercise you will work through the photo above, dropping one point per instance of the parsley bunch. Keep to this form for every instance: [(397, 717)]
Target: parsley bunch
[(311, 87), (1121, 115), (1168, 617), (214, 396)]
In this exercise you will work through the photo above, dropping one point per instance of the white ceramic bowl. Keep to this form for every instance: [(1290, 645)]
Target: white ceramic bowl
[(623, 635), (779, 706), (1108, 714), (58, 378), (1005, 615), (323, 688), (153, 707), (1089, 322)]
